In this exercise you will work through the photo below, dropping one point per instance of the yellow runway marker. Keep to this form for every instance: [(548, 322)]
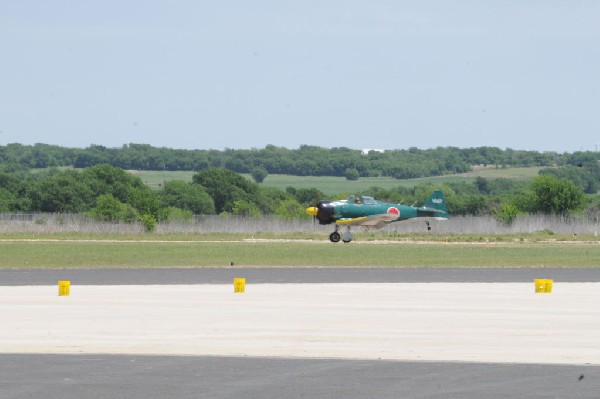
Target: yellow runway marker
[(543, 286), (63, 288), (239, 285)]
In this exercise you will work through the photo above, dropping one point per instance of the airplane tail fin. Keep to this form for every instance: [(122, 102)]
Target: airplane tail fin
[(436, 205)]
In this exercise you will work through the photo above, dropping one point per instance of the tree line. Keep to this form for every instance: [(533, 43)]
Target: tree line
[(109, 193), (304, 161)]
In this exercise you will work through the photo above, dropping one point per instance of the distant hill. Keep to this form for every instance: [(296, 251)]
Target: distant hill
[(335, 184), (305, 161)]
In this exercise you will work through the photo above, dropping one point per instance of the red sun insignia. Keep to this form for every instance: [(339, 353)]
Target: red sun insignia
[(393, 210)]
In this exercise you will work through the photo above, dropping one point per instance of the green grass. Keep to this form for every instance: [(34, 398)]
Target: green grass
[(156, 178), (334, 185), (360, 236), (131, 254), (505, 173)]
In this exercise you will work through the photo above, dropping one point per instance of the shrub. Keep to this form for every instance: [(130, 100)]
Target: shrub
[(149, 222), (351, 174), (506, 213), (259, 174)]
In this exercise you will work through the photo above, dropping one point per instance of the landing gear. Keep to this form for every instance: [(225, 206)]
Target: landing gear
[(347, 237), (336, 237)]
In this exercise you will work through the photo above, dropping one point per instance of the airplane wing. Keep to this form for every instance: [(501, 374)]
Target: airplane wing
[(374, 221)]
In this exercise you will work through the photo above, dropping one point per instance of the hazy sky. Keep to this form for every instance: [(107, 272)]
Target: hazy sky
[(362, 74)]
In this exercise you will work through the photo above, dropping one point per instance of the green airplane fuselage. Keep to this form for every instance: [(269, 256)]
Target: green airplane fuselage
[(351, 211)]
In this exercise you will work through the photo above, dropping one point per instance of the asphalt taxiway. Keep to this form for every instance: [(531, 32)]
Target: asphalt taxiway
[(290, 275)]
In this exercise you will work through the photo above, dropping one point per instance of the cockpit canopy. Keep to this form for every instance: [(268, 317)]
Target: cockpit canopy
[(360, 199)]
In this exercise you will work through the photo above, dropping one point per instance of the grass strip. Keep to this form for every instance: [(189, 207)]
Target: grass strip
[(321, 237), (131, 254)]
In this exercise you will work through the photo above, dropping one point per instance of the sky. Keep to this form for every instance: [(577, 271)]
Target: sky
[(380, 74)]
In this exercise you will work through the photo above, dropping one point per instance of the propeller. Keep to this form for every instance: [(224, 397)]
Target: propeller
[(323, 212), (314, 210)]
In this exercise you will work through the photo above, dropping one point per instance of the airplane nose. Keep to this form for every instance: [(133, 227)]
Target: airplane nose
[(313, 210)]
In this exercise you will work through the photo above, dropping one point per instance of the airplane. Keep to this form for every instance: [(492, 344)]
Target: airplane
[(367, 212)]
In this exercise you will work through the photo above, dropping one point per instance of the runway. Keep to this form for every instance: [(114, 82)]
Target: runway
[(288, 336)]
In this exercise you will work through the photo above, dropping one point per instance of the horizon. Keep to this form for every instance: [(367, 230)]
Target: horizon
[(363, 150)]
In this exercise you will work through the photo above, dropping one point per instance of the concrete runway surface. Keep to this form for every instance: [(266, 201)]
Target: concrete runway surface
[(504, 322), (348, 340)]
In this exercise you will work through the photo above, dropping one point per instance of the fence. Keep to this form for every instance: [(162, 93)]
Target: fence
[(76, 223)]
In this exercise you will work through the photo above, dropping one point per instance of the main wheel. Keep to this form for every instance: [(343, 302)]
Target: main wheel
[(334, 237), (347, 237)]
